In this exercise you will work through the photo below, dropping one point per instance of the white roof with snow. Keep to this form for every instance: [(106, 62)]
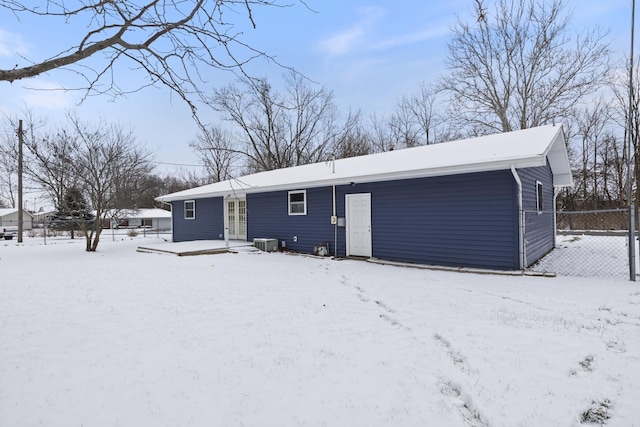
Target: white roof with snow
[(9, 211), (520, 149)]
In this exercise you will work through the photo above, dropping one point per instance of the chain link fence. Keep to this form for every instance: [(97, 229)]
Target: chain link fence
[(589, 244), (41, 229)]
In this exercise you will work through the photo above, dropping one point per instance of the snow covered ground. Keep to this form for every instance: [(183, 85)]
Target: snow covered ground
[(588, 256), (120, 338)]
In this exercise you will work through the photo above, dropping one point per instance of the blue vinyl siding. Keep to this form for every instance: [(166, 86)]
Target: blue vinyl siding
[(461, 220), (539, 233), (465, 220), (267, 216), (208, 223)]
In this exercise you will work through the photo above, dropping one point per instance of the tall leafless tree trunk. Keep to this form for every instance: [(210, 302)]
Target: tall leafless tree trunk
[(107, 158), (621, 91), (592, 123), (217, 150), (518, 66), (297, 126)]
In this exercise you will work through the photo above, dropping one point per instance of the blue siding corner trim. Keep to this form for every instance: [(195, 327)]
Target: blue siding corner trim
[(468, 220), (208, 223), (539, 233)]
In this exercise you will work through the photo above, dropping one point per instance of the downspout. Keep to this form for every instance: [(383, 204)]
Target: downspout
[(556, 193), (334, 219), (225, 221), (521, 259)]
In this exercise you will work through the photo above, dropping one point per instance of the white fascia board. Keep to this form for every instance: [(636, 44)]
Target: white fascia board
[(533, 161), (558, 157), (563, 180)]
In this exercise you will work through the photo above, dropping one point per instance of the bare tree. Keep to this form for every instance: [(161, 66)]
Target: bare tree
[(381, 139), (621, 90), (96, 161), (140, 192), (614, 164), (281, 129), (355, 141), (48, 159), (521, 66), (107, 159), (170, 42), (217, 151), (8, 168), (32, 126), (415, 119), (403, 126), (424, 105), (592, 123)]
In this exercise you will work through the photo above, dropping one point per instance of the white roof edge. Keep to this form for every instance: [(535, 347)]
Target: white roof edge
[(563, 180), (420, 173), (558, 157), (9, 211), (524, 148)]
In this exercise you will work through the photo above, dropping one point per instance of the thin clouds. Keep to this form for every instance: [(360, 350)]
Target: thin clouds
[(46, 94), (363, 33), (347, 40), (12, 44), (420, 36)]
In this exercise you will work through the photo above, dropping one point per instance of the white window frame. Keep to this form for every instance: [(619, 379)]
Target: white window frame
[(539, 197), (304, 202), (192, 209)]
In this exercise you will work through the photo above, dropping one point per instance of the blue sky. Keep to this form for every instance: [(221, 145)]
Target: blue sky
[(369, 53)]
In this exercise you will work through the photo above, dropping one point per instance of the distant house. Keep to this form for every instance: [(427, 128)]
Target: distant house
[(43, 216), (9, 217), (155, 219), (486, 202)]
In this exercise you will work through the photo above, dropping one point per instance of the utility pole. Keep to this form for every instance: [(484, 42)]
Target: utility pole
[(20, 208), (630, 153)]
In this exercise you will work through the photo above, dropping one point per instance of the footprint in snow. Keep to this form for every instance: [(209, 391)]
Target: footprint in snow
[(462, 402), (585, 366)]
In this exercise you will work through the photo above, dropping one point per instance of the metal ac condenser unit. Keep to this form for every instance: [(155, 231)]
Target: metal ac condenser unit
[(267, 245)]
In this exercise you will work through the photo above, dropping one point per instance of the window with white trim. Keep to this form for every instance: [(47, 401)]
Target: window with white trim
[(298, 202), (189, 209), (539, 197)]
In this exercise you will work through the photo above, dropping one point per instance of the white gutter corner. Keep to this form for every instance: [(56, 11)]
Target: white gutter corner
[(521, 259)]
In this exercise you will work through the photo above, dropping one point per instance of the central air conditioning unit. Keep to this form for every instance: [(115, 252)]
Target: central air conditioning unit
[(267, 245)]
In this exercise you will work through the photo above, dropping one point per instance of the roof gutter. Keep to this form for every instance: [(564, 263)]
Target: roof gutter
[(532, 161), (521, 253)]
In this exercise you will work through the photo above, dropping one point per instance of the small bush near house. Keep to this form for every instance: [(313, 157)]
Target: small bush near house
[(132, 233)]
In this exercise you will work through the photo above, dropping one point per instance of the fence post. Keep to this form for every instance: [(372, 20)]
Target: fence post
[(632, 243)]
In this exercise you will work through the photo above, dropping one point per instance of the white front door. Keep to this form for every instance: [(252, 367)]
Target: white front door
[(236, 219), (358, 218)]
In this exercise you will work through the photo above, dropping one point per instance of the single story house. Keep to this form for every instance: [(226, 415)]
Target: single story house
[(9, 217), (485, 202), (155, 219)]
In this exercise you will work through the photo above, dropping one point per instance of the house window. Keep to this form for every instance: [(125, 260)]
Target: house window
[(298, 202), (539, 198), (190, 209)]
